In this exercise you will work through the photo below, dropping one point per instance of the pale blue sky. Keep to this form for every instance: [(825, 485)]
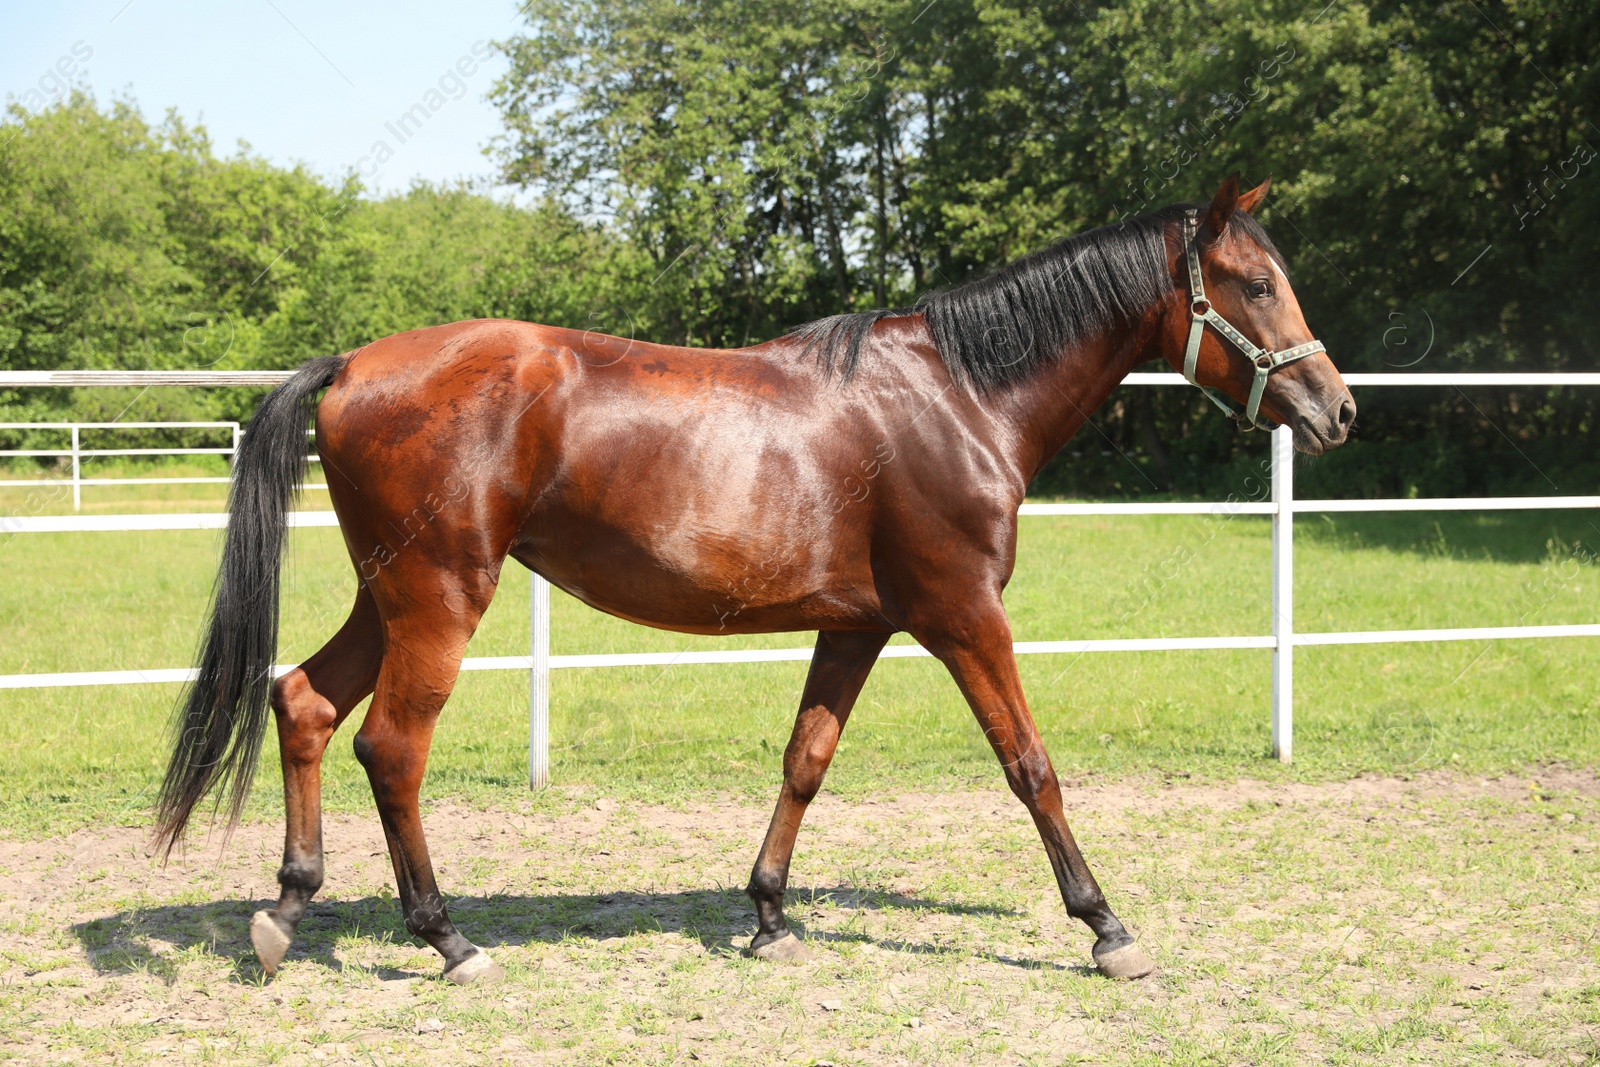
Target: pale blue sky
[(301, 81)]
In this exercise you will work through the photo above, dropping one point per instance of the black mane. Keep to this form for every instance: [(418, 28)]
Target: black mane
[(1003, 327)]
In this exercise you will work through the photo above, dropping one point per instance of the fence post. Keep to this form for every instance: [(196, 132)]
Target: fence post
[(538, 682), (1283, 594), (77, 475)]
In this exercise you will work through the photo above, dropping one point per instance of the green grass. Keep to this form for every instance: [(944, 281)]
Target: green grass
[(121, 600)]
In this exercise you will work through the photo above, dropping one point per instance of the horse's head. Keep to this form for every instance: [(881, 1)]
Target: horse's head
[(1237, 329)]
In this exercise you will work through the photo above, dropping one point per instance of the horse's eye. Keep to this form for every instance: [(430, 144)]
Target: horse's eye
[(1259, 290)]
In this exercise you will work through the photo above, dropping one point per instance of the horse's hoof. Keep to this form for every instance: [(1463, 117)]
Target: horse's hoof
[(1127, 962), (787, 949), (476, 969), (271, 939)]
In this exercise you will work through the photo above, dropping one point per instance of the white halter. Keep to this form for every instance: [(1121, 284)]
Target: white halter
[(1201, 312)]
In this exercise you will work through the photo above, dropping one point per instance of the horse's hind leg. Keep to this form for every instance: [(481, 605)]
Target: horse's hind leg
[(839, 669), (310, 702), (425, 644)]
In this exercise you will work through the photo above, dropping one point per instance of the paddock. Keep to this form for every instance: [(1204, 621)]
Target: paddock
[(1417, 883)]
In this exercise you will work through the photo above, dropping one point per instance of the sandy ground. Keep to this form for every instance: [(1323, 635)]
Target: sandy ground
[(1372, 920)]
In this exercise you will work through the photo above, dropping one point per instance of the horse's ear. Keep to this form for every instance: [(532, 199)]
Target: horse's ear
[(1248, 202), (1222, 205)]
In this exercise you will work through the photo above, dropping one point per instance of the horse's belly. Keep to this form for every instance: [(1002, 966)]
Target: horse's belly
[(709, 585)]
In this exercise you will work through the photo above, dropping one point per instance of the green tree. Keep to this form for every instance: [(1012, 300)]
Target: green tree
[(725, 139), (124, 245)]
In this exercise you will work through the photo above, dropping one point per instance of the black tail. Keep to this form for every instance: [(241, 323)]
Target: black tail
[(219, 722)]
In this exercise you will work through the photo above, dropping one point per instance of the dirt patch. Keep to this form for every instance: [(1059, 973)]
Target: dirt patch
[(1372, 920)]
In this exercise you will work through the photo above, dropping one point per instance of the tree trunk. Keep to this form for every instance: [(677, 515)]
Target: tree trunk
[(1144, 414)]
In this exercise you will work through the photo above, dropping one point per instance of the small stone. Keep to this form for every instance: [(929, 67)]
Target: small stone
[(914, 1023), (429, 1026), (833, 1005), (605, 804)]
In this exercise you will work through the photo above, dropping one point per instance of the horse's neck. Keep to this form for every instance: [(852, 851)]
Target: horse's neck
[(1052, 405)]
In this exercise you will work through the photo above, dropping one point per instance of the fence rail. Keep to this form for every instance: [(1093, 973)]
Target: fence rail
[(78, 454), (1281, 507)]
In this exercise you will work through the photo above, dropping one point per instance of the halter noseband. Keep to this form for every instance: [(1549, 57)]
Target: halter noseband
[(1201, 312)]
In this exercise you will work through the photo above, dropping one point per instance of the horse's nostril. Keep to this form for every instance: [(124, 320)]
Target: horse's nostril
[(1347, 414)]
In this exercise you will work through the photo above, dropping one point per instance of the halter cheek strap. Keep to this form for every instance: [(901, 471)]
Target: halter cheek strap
[(1201, 312)]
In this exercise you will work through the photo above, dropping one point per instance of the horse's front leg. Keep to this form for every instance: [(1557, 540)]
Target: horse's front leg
[(977, 650)]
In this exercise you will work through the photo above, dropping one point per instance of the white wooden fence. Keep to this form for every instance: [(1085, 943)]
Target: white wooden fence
[(1282, 507)]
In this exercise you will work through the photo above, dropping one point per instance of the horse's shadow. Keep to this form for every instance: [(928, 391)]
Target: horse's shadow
[(155, 940)]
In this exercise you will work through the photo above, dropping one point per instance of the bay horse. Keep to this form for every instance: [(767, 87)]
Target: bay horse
[(858, 477)]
